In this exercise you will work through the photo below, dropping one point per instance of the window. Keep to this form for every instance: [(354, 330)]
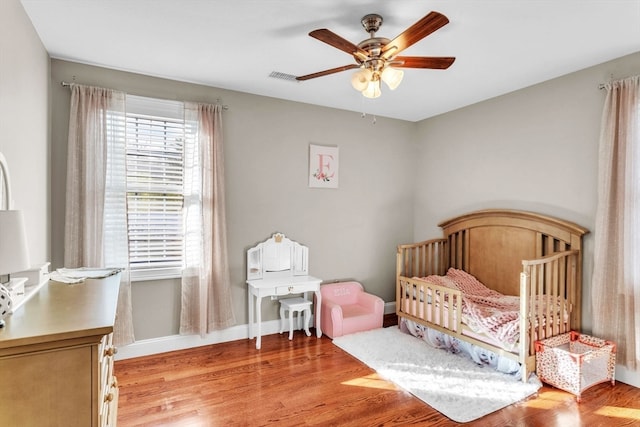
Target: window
[(155, 138)]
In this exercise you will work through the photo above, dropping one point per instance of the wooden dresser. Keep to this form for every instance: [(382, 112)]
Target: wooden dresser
[(56, 357)]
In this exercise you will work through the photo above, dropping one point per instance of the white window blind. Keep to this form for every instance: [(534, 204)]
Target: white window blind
[(155, 156)]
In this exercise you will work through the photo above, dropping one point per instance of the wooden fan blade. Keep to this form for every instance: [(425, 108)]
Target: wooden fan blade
[(327, 72), (440, 63), (332, 39), (427, 25)]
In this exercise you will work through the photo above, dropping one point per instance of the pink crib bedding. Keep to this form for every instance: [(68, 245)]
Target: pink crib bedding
[(489, 315)]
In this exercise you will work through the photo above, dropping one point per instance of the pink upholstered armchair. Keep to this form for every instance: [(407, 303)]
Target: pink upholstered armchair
[(346, 309)]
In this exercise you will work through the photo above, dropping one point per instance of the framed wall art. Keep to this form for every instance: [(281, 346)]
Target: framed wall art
[(323, 166)]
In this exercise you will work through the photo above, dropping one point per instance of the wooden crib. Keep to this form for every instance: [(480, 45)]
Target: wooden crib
[(525, 254)]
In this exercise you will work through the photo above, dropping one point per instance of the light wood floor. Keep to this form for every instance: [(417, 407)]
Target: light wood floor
[(309, 381)]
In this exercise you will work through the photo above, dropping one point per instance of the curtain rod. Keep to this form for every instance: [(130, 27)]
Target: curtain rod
[(224, 106), (611, 80)]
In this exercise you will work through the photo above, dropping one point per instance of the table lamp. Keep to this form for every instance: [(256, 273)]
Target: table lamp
[(14, 253)]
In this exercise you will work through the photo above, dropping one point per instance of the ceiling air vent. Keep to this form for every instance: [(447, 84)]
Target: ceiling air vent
[(283, 76)]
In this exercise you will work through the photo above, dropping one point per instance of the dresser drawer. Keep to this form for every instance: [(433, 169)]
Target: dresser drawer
[(109, 409), (286, 290), (111, 414), (108, 386), (295, 289)]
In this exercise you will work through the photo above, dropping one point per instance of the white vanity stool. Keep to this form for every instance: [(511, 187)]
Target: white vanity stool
[(300, 306)]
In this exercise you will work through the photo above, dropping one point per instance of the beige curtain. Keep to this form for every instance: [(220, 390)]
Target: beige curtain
[(616, 273), (96, 220), (206, 286)]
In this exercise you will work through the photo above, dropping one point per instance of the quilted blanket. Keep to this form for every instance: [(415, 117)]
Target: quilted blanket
[(484, 310)]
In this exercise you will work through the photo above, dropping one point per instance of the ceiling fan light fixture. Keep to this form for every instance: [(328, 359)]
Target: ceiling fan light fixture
[(361, 78), (373, 89), (392, 77)]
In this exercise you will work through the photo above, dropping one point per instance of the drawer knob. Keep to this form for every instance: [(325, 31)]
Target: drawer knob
[(110, 351), (108, 397)]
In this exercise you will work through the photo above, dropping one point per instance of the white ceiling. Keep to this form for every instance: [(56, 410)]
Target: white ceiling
[(500, 45)]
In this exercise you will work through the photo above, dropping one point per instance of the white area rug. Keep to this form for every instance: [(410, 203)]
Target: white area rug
[(453, 385)]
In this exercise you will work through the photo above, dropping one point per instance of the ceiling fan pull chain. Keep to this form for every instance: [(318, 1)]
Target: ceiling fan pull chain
[(373, 119)]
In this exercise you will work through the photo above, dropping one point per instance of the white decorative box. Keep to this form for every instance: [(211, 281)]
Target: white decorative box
[(35, 275), (32, 280)]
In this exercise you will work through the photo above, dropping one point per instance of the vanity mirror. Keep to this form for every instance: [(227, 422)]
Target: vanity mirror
[(277, 256)]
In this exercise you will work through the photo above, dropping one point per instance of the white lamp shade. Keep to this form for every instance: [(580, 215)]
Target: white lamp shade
[(392, 77), (360, 79), (373, 89), (14, 253)]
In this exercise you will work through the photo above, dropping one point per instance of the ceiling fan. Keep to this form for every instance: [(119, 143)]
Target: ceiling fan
[(377, 57)]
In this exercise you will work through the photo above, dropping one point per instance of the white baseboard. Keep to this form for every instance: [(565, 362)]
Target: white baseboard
[(628, 376), (181, 342), (389, 307)]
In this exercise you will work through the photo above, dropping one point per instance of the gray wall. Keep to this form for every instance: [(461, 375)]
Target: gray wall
[(351, 231), (24, 122)]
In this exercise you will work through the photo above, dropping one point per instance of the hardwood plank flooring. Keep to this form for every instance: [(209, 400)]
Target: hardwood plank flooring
[(309, 381)]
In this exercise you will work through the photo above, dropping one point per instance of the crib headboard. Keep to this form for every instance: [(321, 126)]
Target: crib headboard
[(491, 244)]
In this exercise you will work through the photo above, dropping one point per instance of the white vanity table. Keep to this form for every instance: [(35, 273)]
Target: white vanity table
[(278, 267)]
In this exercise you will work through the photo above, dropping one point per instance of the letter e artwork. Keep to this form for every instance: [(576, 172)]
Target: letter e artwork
[(323, 166)]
